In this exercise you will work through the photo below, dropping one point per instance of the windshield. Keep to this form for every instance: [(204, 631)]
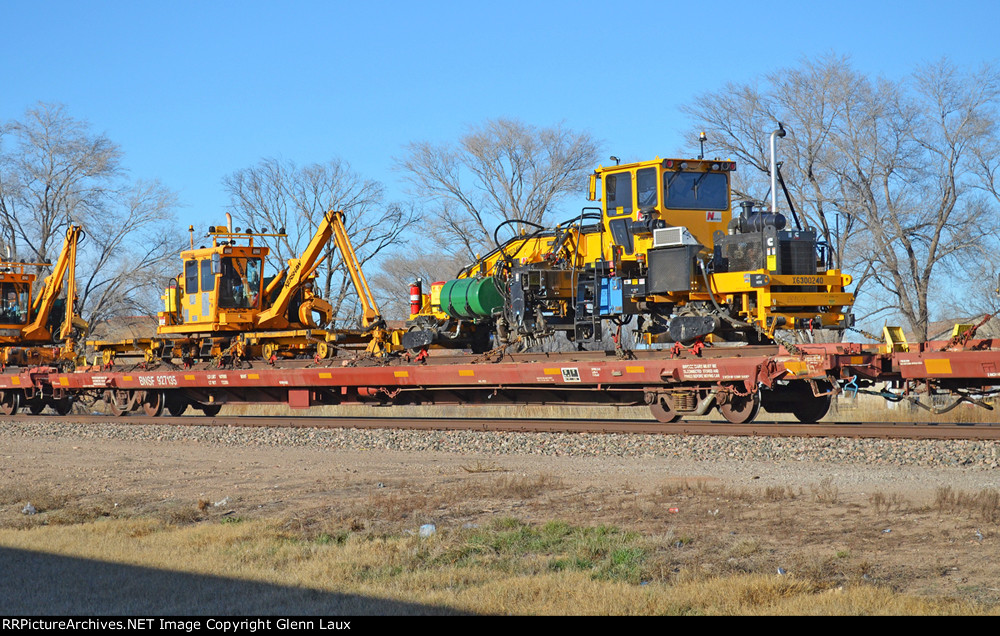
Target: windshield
[(14, 303), (696, 190), (239, 286)]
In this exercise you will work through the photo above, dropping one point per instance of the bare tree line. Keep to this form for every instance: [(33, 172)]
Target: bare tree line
[(54, 171), (279, 194), (897, 176), (503, 170)]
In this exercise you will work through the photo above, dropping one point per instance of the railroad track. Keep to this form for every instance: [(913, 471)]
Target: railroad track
[(762, 428)]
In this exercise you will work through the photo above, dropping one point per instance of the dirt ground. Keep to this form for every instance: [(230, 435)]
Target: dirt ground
[(917, 531)]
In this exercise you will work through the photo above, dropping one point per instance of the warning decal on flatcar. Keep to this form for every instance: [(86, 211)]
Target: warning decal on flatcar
[(571, 374)]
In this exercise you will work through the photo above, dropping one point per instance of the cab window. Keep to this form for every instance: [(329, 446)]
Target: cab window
[(645, 188), (618, 194), (191, 277), (696, 190), (621, 233), (207, 277), (239, 286), (13, 304)]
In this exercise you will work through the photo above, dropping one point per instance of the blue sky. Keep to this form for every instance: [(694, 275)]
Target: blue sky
[(193, 91)]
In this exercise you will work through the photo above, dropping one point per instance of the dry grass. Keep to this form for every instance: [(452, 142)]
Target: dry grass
[(826, 491), (984, 505), (509, 542), (509, 567), (885, 504)]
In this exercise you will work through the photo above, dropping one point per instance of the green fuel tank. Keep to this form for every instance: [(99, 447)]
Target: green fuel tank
[(469, 298)]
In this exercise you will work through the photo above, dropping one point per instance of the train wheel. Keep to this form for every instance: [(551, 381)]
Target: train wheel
[(35, 406), (117, 401), (740, 409), (62, 406), (811, 409), (9, 401), (417, 338), (324, 350), (153, 404), (211, 410), (663, 409), (269, 350), (175, 405)]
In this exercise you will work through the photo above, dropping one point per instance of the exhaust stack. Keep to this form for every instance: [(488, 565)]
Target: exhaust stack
[(780, 132)]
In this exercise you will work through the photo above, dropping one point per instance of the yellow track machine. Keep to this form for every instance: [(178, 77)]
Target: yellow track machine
[(42, 331), (665, 248), (222, 307)]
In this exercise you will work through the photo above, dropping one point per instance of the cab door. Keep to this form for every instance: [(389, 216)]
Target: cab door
[(619, 205), (192, 301), (628, 195)]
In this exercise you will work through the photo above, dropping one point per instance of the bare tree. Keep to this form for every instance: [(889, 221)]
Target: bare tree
[(502, 170), (427, 259), (911, 171), (54, 171), (128, 250), (274, 194), (896, 165), (810, 101)]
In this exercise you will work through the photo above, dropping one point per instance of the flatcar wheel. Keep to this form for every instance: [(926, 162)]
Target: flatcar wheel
[(741, 409), (62, 406), (812, 409), (36, 406), (663, 409), (153, 404), (175, 405), (117, 402), (9, 401), (211, 410)]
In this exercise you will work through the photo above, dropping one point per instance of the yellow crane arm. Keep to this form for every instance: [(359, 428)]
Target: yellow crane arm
[(65, 268), (370, 314), (300, 269)]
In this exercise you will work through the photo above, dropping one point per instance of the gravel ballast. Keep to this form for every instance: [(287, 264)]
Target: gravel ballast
[(981, 455), (760, 460)]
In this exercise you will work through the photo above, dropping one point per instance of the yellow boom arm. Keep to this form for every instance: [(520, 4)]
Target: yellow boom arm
[(65, 268), (300, 269), (370, 312)]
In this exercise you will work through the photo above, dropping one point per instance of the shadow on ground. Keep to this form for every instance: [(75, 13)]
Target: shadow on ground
[(33, 583)]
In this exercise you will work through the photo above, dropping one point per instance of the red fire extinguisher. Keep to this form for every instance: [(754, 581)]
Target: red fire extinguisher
[(416, 291)]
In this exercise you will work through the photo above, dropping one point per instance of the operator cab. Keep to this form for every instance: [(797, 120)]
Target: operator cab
[(221, 287), (645, 196), (15, 298)]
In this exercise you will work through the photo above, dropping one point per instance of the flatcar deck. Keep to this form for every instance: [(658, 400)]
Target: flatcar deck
[(673, 382)]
